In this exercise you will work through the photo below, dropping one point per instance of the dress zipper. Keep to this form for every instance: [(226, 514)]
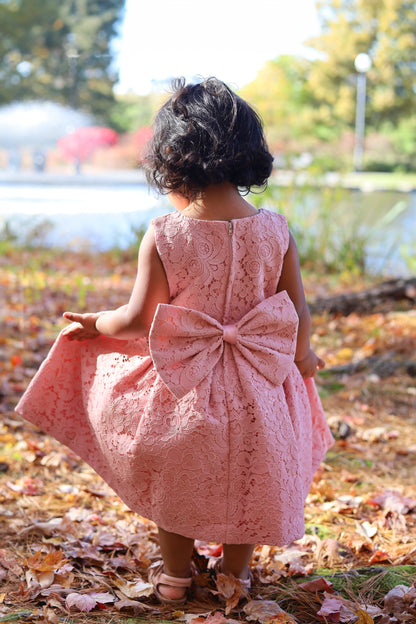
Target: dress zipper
[(228, 293), (230, 242)]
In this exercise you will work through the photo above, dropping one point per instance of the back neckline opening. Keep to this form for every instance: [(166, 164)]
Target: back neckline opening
[(256, 214)]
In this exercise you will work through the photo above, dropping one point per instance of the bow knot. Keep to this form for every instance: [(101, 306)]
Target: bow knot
[(229, 334), (186, 344)]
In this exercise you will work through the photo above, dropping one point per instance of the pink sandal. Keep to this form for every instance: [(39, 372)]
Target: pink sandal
[(157, 577)]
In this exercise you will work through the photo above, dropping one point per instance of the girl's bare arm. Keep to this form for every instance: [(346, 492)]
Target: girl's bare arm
[(291, 281), (134, 319)]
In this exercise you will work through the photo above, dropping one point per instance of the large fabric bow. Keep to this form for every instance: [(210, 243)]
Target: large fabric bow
[(186, 344)]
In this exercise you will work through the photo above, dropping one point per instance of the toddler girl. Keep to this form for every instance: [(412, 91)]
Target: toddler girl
[(195, 401)]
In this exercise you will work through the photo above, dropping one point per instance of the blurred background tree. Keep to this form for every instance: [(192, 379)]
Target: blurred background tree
[(62, 51), (310, 105), (387, 32), (384, 30), (134, 111), (59, 51), (281, 94)]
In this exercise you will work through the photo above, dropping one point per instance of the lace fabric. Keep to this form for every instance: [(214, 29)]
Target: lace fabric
[(230, 458)]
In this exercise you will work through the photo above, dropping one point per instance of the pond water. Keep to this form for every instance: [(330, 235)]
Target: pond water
[(75, 216)]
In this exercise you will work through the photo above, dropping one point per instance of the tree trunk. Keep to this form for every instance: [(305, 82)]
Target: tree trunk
[(367, 300)]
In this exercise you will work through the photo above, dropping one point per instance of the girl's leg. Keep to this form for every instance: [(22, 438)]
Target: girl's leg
[(176, 552), (236, 558)]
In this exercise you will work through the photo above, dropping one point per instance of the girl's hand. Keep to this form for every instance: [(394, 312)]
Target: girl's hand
[(82, 326), (309, 364)]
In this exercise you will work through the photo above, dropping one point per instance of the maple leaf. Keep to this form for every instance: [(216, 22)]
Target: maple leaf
[(51, 562), (42, 570)]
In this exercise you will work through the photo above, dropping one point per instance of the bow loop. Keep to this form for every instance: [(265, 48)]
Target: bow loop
[(186, 344)]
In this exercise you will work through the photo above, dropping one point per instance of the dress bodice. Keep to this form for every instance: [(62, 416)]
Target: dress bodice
[(222, 268)]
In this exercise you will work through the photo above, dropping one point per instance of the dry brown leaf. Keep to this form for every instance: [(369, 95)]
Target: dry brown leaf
[(45, 528), (102, 597), (328, 553), (80, 602), (134, 606), (45, 579), (364, 617), (399, 599), (297, 568), (134, 589), (393, 501), (379, 556), (230, 589), (336, 609), (367, 529), (317, 585), (282, 618), (264, 611), (290, 555), (219, 618), (49, 616), (10, 563), (190, 617)]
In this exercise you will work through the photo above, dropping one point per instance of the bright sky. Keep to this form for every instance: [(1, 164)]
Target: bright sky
[(229, 39)]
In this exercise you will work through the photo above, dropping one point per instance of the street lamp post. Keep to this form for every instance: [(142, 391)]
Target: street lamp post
[(73, 56), (362, 65)]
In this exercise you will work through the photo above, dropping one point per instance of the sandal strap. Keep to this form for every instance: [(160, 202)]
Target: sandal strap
[(174, 581), (246, 582)]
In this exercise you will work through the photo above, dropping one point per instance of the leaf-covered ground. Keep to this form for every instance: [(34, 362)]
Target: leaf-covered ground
[(70, 551)]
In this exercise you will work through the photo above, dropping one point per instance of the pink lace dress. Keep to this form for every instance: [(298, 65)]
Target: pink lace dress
[(207, 427)]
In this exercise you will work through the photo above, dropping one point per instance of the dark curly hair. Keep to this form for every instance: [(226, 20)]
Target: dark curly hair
[(206, 134)]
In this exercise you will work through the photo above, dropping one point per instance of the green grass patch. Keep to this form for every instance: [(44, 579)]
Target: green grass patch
[(323, 532), (21, 616), (330, 387), (369, 584)]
